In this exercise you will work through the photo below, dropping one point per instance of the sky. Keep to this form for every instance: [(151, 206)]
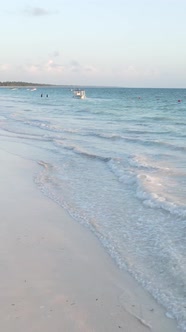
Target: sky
[(125, 43)]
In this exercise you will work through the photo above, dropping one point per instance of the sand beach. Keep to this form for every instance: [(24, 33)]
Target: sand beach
[(55, 276)]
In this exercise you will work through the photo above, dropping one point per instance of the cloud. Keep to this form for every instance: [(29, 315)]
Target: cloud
[(90, 69), (4, 67), (54, 54), (49, 66), (74, 63), (75, 66), (52, 66), (33, 68), (37, 11), (50, 69), (137, 72)]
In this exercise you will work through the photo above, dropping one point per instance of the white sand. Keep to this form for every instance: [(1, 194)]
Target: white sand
[(54, 274)]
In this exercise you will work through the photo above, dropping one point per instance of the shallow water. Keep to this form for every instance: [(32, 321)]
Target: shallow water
[(117, 162)]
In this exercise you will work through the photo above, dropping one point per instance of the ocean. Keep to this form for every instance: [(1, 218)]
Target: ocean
[(116, 161)]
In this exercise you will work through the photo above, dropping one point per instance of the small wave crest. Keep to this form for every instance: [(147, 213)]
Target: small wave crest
[(147, 184), (81, 151), (152, 199)]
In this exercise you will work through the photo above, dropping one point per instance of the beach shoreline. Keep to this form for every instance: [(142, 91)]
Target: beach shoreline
[(55, 275)]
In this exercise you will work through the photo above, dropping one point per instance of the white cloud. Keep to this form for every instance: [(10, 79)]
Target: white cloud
[(136, 72), (4, 67), (49, 66), (90, 69), (37, 11), (55, 54), (75, 66), (52, 66)]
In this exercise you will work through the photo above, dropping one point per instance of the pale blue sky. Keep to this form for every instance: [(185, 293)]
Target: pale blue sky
[(129, 43)]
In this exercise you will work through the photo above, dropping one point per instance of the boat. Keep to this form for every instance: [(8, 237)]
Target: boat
[(80, 94)]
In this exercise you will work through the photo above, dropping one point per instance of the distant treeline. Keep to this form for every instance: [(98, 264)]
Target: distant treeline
[(13, 83)]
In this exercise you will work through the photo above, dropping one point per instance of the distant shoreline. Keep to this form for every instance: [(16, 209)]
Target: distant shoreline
[(17, 84), (12, 84), (22, 84)]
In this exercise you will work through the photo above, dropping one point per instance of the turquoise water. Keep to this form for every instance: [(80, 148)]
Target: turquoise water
[(117, 162)]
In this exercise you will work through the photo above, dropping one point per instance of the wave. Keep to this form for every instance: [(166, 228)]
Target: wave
[(48, 126), (80, 151), (154, 200), (143, 141), (148, 188), (25, 136), (145, 163), (171, 146)]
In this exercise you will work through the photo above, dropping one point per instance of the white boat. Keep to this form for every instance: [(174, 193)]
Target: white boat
[(79, 94)]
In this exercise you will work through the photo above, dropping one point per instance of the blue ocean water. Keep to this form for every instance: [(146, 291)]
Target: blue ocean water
[(117, 162)]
